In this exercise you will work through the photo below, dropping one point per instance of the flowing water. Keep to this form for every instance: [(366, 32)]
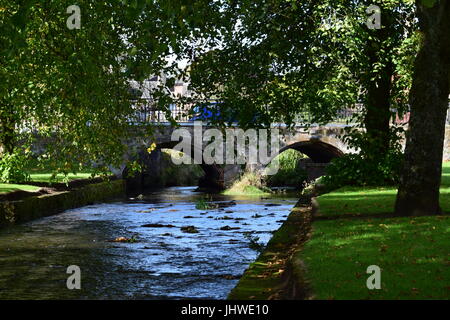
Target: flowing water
[(163, 263)]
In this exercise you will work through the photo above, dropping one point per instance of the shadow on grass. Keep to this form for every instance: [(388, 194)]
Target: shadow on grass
[(373, 200), (411, 252), (445, 174), (341, 205)]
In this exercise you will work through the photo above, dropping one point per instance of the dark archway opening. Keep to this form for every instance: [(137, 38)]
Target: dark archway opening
[(316, 150), (159, 171), (302, 162)]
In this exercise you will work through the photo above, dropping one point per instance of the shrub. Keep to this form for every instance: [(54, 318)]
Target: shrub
[(12, 168), (248, 183), (357, 170), (202, 204), (289, 173), (370, 166)]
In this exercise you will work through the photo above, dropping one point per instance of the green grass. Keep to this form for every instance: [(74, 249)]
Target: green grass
[(42, 176), (8, 187), (445, 174), (47, 177), (248, 185), (246, 191), (373, 200), (413, 253)]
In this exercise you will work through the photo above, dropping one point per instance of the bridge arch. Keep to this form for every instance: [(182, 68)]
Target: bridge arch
[(320, 154), (317, 150), (320, 147), (213, 174)]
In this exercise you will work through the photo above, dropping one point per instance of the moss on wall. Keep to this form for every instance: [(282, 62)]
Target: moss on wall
[(272, 275)]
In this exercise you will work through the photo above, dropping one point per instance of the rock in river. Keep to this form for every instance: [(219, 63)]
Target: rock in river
[(157, 225), (226, 228), (189, 229)]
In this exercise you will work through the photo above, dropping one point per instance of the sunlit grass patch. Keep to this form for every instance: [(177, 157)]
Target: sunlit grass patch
[(42, 176), (445, 174), (373, 200), (412, 253), (357, 200), (47, 177), (9, 187)]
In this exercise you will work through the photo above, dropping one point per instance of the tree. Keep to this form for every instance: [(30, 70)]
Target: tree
[(67, 85), (72, 86), (279, 60), (418, 193)]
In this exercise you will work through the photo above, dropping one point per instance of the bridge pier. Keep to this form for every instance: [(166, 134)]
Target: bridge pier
[(154, 173)]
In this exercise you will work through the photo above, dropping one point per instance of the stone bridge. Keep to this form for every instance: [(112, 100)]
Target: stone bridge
[(320, 143)]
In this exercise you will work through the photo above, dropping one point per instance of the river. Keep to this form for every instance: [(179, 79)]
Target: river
[(163, 263)]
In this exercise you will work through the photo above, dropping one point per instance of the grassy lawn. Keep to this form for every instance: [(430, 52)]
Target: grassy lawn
[(40, 176), (373, 200), (413, 253), (46, 177), (8, 187)]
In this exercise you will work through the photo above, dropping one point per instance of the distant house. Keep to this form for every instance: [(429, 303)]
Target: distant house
[(146, 87), (180, 89), (142, 92)]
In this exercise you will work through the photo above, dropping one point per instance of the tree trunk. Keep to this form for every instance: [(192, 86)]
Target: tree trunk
[(378, 102), (7, 129), (418, 193), (378, 112)]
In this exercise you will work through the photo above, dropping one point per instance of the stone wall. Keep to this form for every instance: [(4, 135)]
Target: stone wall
[(274, 274), (12, 212)]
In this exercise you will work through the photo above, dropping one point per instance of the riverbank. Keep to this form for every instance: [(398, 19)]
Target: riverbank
[(327, 255), (76, 194), (39, 179), (249, 184), (353, 228), (276, 274)]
